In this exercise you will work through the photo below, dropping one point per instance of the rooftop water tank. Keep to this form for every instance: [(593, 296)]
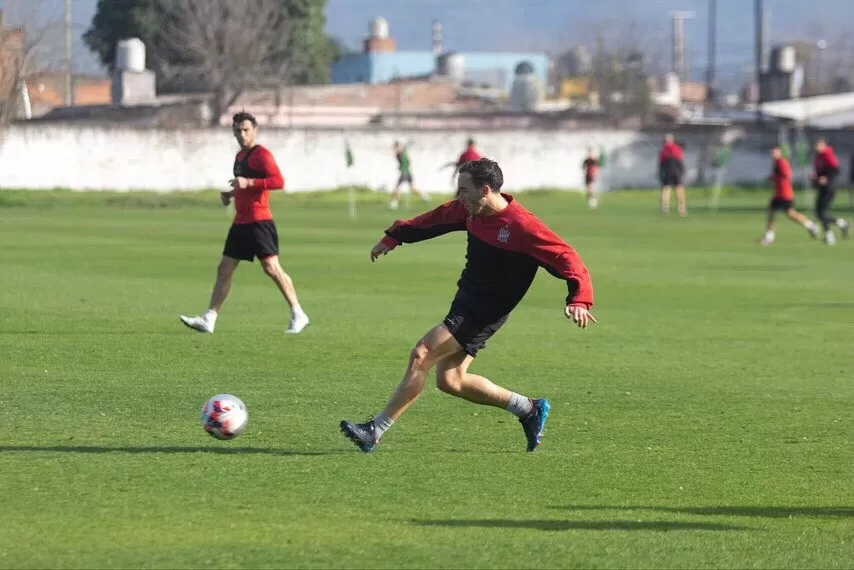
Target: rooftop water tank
[(451, 65), (379, 28), (130, 55)]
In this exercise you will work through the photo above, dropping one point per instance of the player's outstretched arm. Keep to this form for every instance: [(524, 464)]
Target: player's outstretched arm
[(378, 250), (449, 217), (580, 315)]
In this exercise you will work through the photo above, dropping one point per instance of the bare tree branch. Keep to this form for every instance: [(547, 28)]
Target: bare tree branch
[(26, 49), (230, 45)]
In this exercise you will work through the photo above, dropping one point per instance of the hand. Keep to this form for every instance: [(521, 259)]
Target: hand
[(378, 250), (239, 183), (579, 315), (822, 180), (225, 198)]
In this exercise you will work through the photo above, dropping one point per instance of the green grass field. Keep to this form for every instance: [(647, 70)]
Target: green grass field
[(705, 422)]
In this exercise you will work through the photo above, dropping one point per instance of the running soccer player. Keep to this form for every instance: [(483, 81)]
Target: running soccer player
[(783, 198), (591, 169), (405, 177), (506, 246), (470, 154), (671, 169), (253, 231), (825, 171)]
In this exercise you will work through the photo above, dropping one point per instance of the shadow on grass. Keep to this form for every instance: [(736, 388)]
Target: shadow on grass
[(558, 525), (731, 511), (155, 449)]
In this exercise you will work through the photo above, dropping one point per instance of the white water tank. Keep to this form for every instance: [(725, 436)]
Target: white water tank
[(130, 55), (379, 28), (786, 60), (451, 65), (527, 92)]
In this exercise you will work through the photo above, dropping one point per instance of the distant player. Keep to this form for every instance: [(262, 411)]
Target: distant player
[(825, 171), (784, 197), (470, 154), (671, 170), (506, 246), (405, 168), (591, 170), (253, 232)]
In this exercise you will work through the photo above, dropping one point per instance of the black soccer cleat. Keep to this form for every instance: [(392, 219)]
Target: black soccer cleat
[(363, 435)]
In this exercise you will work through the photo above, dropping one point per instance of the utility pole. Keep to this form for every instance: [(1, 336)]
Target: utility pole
[(713, 46), (69, 84), (759, 22), (679, 65)]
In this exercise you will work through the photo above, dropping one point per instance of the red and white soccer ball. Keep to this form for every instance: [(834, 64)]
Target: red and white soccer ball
[(224, 416)]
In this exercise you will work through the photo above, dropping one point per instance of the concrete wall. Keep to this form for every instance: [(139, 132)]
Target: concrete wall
[(43, 157)]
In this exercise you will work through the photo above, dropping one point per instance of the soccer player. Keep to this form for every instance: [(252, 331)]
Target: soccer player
[(591, 169), (671, 169), (253, 232), (825, 171), (783, 198), (470, 154), (405, 168), (506, 246)]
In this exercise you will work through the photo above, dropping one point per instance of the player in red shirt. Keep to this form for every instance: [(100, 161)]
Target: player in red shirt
[(253, 232), (671, 170), (507, 244), (784, 197), (591, 169), (470, 154), (825, 172)]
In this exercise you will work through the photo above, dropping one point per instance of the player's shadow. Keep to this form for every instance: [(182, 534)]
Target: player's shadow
[(560, 525), (730, 511), (167, 449)]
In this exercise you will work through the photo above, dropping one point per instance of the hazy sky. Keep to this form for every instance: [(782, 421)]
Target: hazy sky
[(546, 24)]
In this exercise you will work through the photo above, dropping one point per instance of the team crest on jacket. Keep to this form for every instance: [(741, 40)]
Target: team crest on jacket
[(503, 234)]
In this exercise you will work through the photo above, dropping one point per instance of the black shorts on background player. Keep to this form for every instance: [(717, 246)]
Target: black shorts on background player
[(248, 241), (780, 204)]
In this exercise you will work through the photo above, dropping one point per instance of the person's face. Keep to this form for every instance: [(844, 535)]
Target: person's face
[(472, 197), (245, 133), (776, 153), (820, 145)]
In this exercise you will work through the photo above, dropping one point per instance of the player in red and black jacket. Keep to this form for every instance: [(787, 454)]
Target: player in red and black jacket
[(253, 231), (590, 166), (783, 198), (468, 155), (824, 174), (507, 244), (671, 171)]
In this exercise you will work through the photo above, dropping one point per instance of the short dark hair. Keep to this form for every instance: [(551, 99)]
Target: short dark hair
[(484, 172), (244, 116), (470, 142)]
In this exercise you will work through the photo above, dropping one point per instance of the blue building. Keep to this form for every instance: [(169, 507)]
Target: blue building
[(381, 62)]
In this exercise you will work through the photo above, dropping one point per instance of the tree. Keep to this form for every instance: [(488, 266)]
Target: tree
[(25, 51), (197, 45)]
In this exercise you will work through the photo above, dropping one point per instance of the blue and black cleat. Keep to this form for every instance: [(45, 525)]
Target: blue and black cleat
[(534, 423), (363, 435)]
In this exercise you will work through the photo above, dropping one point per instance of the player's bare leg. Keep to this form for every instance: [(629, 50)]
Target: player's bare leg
[(804, 221), (591, 199), (665, 199), (438, 347), (395, 197), (453, 377), (680, 201), (207, 321), (272, 267), (768, 238), (423, 195)]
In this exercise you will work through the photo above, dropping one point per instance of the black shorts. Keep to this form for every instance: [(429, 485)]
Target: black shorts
[(469, 328), (248, 241), (405, 177), (671, 179), (780, 204), (588, 180)]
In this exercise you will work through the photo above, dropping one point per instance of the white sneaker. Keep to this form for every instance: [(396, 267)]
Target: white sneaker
[(844, 227), (297, 324), (813, 231), (592, 202), (199, 324), (766, 241), (829, 239), (392, 205)]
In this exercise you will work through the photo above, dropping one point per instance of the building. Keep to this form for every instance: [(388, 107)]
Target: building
[(11, 59), (381, 62)]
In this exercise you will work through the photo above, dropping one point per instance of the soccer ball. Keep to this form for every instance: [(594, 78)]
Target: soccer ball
[(224, 416)]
